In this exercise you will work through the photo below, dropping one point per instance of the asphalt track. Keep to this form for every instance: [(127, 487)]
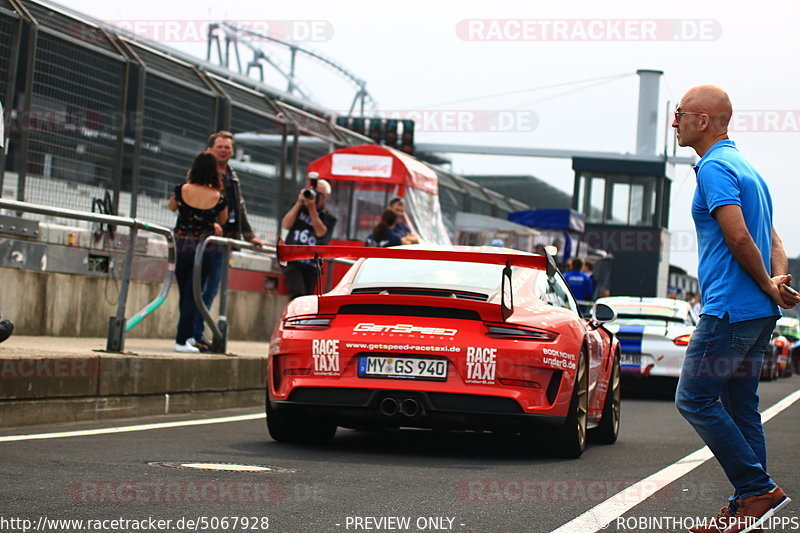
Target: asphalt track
[(394, 481)]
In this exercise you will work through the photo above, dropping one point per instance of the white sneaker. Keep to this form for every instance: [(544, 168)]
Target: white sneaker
[(186, 348)]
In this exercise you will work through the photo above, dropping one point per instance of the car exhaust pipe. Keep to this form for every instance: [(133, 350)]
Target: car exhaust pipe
[(389, 407), (409, 407)]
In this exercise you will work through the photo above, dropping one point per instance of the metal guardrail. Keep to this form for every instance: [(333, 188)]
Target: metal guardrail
[(117, 325), (219, 330)]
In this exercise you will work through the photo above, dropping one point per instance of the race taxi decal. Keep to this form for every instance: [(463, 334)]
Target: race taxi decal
[(558, 359), (326, 357), (481, 365), (365, 328)]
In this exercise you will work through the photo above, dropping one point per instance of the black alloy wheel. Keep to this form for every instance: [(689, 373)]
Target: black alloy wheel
[(608, 429)]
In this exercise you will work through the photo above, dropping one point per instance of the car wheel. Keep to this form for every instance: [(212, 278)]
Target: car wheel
[(298, 426), (608, 429), (787, 369), (773, 369), (569, 440), (769, 370)]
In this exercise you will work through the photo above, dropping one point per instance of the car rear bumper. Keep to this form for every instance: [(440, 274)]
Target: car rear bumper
[(666, 365), (356, 407)]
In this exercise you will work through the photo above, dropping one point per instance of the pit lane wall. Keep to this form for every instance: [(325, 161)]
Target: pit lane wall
[(66, 284), (72, 305), (43, 383)]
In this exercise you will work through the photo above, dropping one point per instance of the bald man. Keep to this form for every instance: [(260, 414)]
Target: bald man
[(742, 270)]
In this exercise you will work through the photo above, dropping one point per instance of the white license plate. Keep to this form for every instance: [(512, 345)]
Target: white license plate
[(630, 359), (402, 367)]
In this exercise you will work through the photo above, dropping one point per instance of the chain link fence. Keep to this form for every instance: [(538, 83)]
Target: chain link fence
[(96, 118)]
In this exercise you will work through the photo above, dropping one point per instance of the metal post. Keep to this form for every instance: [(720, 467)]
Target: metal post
[(8, 103), (280, 206), (228, 51), (219, 330), (138, 134), (290, 89), (115, 341), (238, 57), (647, 124), (116, 178), (209, 40), (25, 124), (296, 156), (221, 344)]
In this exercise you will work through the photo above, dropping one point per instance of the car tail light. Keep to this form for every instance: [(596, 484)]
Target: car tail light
[(514, 332), (308, 322), (682, 340), (297, 372), (520, 383)]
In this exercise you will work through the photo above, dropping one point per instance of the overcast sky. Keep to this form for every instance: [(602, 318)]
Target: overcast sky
[(435, 57)]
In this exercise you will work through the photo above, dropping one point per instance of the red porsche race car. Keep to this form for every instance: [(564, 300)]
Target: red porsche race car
[(475, 338)]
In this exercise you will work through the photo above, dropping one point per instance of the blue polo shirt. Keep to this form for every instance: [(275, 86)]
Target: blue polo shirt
[(724, 177)]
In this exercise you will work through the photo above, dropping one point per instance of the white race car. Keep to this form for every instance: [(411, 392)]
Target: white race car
[(653, 333)]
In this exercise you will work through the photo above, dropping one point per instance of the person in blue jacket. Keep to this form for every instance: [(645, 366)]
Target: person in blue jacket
[(580, 283)]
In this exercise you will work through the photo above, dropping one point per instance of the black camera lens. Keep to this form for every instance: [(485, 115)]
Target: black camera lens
[(309, 193)]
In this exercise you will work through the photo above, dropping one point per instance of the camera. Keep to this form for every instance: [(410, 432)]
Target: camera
[(311, 192)]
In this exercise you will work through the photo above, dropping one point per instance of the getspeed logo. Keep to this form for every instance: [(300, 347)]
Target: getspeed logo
[(369, 327)]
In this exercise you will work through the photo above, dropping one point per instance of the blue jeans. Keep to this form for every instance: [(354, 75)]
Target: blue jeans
[(184, 272), (210, 288), (718, 394)]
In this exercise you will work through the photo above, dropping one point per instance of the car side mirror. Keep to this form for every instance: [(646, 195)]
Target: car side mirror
[(602, 313)]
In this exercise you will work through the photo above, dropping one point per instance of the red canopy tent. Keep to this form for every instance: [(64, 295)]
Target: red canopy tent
[(365, 177)]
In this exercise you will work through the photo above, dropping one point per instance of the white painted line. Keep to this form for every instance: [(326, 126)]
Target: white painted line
[(128, 429), (602, 515), (227, 468)]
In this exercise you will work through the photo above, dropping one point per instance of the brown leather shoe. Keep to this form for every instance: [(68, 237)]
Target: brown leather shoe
[(716, 524), (753, 512)]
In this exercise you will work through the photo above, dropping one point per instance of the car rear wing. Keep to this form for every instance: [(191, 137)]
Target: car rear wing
[(292, 252), (317, 253)]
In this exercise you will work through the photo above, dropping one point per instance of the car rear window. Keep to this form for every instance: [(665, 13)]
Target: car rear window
[(425, 273)]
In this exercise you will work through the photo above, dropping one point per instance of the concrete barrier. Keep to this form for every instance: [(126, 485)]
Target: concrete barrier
[(72, 305), (50, 379)]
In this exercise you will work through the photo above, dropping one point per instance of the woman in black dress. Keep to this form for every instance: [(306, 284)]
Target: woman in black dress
[(201, 209)]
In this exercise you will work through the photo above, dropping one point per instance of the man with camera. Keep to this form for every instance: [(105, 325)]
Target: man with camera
[(308, 223)]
